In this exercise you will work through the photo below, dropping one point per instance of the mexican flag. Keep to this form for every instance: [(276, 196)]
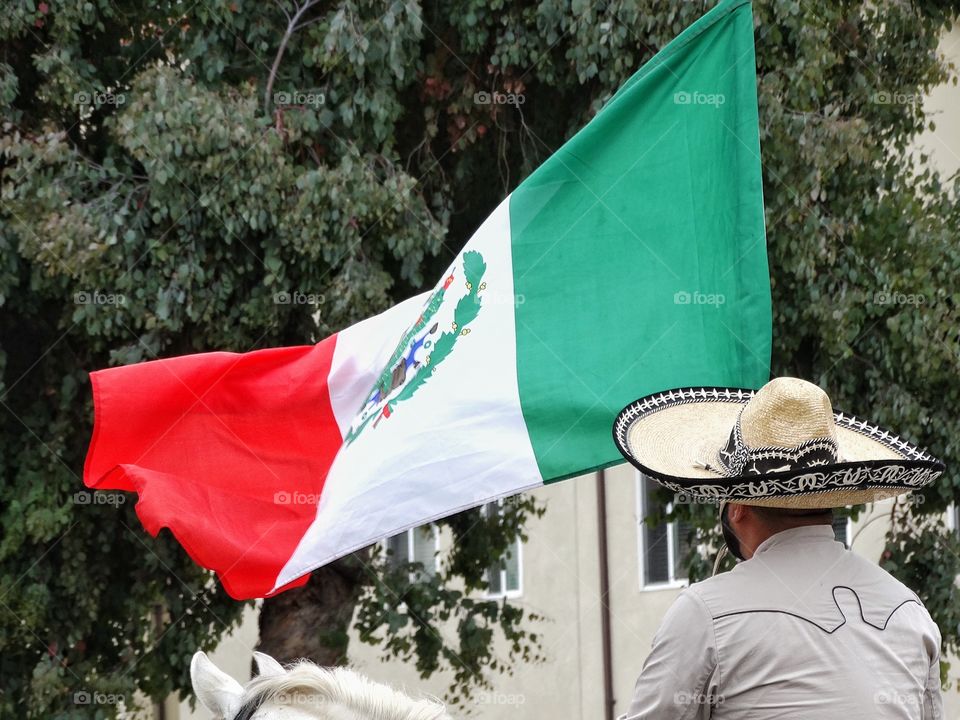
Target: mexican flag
[(633, 260)]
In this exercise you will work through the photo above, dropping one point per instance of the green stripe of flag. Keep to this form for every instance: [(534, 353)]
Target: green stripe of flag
[(639, 247)]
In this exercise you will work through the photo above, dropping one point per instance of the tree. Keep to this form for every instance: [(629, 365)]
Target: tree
[(168, 170), (152, 207)]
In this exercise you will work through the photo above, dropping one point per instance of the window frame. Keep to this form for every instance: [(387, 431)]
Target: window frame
[(849, 530), (952, 519), (506, 593), (411, 554), (673, 583)]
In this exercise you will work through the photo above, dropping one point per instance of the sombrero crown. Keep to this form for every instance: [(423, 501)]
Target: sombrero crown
[(780, 446)]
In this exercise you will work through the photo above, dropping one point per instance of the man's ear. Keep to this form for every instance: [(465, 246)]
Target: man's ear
[(217, 692), (736, 511)]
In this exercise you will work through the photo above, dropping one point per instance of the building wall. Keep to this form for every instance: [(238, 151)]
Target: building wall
[(943, 105), (560, 571)]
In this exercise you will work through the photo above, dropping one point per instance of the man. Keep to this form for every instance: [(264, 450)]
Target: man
[(801, 627)]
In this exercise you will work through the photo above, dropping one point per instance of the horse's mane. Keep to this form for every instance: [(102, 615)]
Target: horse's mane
[(311, 685)]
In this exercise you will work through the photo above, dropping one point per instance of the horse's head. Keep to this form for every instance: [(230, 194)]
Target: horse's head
[(303, 691)]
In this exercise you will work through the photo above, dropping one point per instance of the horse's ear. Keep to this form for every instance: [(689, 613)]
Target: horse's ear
[(267, 666), (218, 692)]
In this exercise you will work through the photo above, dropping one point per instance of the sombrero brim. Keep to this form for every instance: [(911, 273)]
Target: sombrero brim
[(671, 435)]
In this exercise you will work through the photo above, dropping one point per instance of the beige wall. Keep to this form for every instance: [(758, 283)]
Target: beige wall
[(560, 577), (943, 145)]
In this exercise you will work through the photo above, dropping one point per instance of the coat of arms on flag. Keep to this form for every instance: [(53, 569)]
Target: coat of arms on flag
[(425, 344)]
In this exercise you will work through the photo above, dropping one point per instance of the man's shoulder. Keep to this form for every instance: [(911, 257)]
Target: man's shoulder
[(714, 593), (775, 582)]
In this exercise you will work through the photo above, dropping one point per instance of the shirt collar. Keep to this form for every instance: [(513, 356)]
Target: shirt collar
[(804, 533)]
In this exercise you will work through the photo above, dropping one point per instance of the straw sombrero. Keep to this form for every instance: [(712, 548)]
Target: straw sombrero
[(779, 446)]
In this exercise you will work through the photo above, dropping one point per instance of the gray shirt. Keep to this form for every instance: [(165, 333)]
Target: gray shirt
[(804, 629)]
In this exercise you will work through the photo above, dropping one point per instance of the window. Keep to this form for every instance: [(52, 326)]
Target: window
[(841, 529), (663, 547), (504, 577), (414, 545)]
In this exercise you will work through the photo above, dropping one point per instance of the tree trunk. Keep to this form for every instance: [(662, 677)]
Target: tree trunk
[(312, 621)]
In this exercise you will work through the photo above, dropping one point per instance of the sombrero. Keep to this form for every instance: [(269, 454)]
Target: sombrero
[(779, 446)]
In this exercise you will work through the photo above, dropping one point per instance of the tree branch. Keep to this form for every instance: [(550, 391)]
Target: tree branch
[(292, 27)]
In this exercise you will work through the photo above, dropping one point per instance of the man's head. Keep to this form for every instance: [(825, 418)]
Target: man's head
[(746, 526)]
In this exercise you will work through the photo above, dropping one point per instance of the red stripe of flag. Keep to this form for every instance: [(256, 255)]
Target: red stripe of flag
[(268, 434)]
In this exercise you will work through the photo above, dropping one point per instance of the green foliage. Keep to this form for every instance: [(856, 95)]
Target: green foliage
[(925, 554), (154, 202)]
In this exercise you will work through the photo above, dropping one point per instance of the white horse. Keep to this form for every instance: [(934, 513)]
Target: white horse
[(303, 691)]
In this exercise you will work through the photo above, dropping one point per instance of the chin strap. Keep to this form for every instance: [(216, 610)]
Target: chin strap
[(721, 554)]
